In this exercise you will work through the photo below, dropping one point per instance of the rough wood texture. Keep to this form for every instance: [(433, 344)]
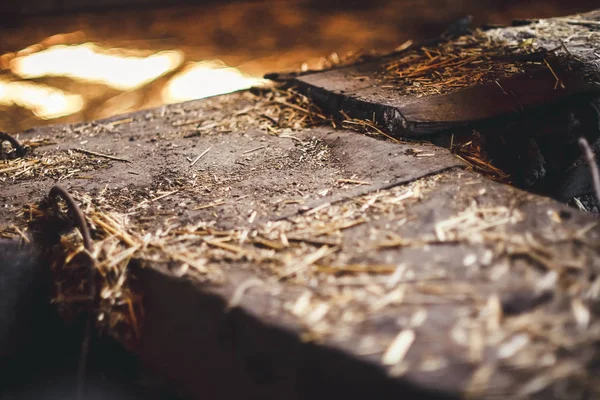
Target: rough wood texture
[(329, 265), (479, 316), (367, 91), (275, 176), (515, 99)]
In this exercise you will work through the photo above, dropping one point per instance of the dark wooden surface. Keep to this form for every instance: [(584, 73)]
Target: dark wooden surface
[(363, 92), (333, 264), (472, 253)]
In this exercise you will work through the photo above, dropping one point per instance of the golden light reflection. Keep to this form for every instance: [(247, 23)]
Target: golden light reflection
[(44, 101), (92, 63), (205, 79)]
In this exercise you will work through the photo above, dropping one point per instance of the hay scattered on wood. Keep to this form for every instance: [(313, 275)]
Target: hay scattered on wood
[(469, 149), (312, 251), (276, 110), (366, 127), (14, 232), (332, 254), (56, 166), (460, 63), (118, 305)]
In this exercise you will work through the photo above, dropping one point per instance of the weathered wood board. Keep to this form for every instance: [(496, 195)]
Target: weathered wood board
[(514, 98), (318, 262), (275, 176), (539, 57)]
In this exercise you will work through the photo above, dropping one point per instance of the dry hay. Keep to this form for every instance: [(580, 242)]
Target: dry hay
[(200, 250), (466, 147), (469, 149), (541, 342), (490, 56), (331, 252), (116, 243), (117, 307), (56, 166), (13, 232), (276, 110), (345, 284), (364, 126), (463, 62)]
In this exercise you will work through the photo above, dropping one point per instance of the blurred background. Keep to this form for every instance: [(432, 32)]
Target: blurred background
[(74, 60)]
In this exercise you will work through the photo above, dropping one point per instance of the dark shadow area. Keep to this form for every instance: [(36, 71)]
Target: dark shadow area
[(40, 353), (210, 351), (538, 150)]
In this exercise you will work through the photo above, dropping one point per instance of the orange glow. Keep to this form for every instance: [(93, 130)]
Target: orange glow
[(44, 101), (92, 63), (205, 79)]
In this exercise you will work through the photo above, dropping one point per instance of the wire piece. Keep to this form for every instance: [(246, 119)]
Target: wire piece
[(19, 148)]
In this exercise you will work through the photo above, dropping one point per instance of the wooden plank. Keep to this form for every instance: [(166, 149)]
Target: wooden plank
[(367, 91), (289, 170), (397, 275), (449, 294)]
